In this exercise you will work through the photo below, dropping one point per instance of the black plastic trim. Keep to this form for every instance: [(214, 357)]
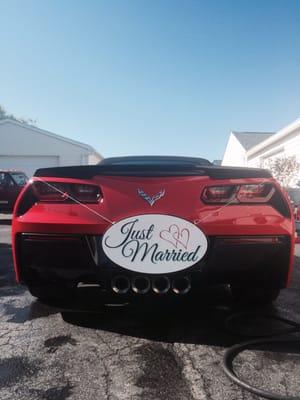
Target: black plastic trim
[(89, 171), (249, 264)]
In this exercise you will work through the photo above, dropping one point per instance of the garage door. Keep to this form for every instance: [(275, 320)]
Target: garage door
[(28, 164)]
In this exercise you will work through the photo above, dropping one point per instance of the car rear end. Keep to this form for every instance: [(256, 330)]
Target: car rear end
[(75, 228)]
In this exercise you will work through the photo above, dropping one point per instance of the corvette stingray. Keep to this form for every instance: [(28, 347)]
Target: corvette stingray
[(156, 226)]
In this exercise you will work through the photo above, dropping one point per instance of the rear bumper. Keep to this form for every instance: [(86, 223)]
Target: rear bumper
[(262, 261)]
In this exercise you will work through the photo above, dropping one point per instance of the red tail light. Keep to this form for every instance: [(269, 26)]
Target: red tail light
[(255, 193), (54, 192), (249, 193), (87, 193), (219, 194)]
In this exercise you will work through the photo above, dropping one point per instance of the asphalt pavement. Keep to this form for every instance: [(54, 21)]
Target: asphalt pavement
[(150, 352)]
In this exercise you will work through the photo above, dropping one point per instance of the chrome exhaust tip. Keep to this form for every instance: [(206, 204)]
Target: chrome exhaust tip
[(161, 284), (120, 284), (140, 284), (181, 285)]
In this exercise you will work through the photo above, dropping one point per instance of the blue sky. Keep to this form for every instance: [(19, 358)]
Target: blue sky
[(151, 77)]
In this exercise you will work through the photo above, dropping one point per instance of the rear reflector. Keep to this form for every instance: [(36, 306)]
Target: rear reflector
[(40, 237), (250, 240)]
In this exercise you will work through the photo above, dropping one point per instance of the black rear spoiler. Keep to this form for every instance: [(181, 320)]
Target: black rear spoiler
[(214, 172)]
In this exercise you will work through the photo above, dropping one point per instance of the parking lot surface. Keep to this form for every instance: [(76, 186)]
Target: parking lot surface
[(151, 352)]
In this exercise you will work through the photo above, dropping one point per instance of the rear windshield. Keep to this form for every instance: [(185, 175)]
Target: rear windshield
[(19, 178)]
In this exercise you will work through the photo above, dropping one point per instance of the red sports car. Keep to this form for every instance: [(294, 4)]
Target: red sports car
[(153, 226), (11, 184)]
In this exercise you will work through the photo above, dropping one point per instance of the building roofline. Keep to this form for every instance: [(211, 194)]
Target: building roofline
[(241, 136), (50, 134), (274, 138), (11, 170), (250, 132)]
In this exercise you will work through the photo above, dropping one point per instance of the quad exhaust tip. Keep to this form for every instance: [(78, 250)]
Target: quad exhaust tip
[(161, 284), (120, 284), (181, 285), (140, 284)]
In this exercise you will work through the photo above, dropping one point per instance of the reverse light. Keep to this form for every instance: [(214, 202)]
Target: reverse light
[(58, 192), (249, 193)]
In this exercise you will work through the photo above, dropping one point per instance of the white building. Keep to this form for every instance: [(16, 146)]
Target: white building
[(284, 143), (238, 145), (254, 149), (27, 148)]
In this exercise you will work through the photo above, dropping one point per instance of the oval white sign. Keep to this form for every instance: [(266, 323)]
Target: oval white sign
[(154, 243)]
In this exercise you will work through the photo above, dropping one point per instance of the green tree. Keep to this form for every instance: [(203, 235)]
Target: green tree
[(285, 170), (5, 115)]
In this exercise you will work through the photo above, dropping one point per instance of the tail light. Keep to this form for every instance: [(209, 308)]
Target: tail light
[(250, 193), (257, 193), (58, 192), (219, 194)]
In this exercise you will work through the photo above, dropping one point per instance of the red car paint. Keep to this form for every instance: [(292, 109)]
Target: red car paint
[(182, 199), (294, 197), (11, 184)]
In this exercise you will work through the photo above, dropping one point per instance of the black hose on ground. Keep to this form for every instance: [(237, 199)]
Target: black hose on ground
[(267, 338)]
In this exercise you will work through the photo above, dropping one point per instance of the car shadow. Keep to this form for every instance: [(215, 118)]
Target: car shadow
[(198, 319), (7, 277), (156, 323), (203, 321)]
